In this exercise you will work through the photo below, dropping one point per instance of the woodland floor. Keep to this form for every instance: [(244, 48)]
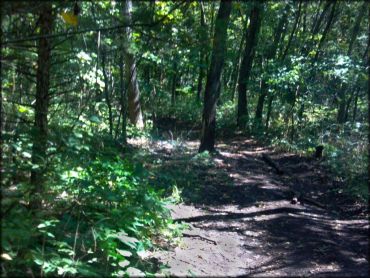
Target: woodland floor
[(242, 221)]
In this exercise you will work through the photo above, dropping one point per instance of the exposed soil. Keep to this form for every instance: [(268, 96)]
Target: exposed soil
[(244, 219)]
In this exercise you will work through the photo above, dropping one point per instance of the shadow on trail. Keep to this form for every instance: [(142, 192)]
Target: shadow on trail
[(242, 195)]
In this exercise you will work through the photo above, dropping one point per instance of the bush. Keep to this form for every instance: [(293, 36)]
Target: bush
[(101, 215)]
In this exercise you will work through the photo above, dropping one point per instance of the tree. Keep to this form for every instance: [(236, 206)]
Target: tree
[(134, 106), (270, 54), (211, 93), (245, 68), (42, 105)]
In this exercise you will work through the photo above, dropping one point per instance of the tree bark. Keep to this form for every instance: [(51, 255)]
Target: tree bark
[(238, 63), (213, 77), (246, 66), (269, 109), (134, 106), (41, 107), (106, 92), (1, 93), (123, 100), (202, 52), (174, 83)]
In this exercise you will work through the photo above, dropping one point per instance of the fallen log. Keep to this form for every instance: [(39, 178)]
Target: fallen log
[(270, 162)]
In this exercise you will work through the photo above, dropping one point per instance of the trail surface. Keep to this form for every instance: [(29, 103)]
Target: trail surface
[(243, 220)]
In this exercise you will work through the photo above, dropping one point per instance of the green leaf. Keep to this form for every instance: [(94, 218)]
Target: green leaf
[(124, 263), (26, 154), (124, 253), (95, 119)]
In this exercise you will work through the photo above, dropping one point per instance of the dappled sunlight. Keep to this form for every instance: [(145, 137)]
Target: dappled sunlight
[(184, 138)]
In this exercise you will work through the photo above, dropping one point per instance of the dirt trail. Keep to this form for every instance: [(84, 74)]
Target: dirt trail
[(242, 221)]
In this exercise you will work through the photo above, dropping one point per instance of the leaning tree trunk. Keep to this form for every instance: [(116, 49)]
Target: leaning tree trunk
[(134, 106), (246, 65), (41, 106), (211, 93)]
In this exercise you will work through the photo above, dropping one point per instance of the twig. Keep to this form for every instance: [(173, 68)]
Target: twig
[(201, 237)]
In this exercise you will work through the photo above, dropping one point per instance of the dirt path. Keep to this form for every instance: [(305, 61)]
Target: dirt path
[(242, 221)]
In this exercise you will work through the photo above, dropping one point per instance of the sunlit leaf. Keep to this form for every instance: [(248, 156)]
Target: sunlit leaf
[(70, 18)]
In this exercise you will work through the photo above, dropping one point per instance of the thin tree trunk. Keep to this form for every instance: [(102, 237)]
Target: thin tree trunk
[(260, 102), (292, 126), (123, 99), (326, 30), (134, 106), (202, 53), (354, 114), (1, 93), (174, 83), (41, 107), (271, 53), (269, 109), (106, 92), (293, 30), (356, 27), (238, 63), (342, 105), (368, 101), (246, 66), (343, 109), (213, 78)]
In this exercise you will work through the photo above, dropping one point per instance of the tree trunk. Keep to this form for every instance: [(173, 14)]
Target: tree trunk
[(245, 69), (295, 25), (356, 28), (123, 99), (134, 106), (271, 53), (1, 92), (106, 92), (41, 107), (260, 102), (368, 102), (342, 106), (326, 30), (269, 109), (343, 109), (202, 52), (238, 64), (174, 83), (354, 114), (213, 78)]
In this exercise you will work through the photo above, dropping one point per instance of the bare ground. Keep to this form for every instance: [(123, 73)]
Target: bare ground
[(244, 221)]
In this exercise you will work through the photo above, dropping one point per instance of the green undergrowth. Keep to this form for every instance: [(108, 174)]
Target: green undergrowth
[(100, 217)]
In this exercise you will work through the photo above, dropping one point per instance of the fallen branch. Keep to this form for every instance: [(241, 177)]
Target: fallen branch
[(202, 238), (270, 162)]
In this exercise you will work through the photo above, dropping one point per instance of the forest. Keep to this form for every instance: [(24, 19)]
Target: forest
[(184, 138)]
